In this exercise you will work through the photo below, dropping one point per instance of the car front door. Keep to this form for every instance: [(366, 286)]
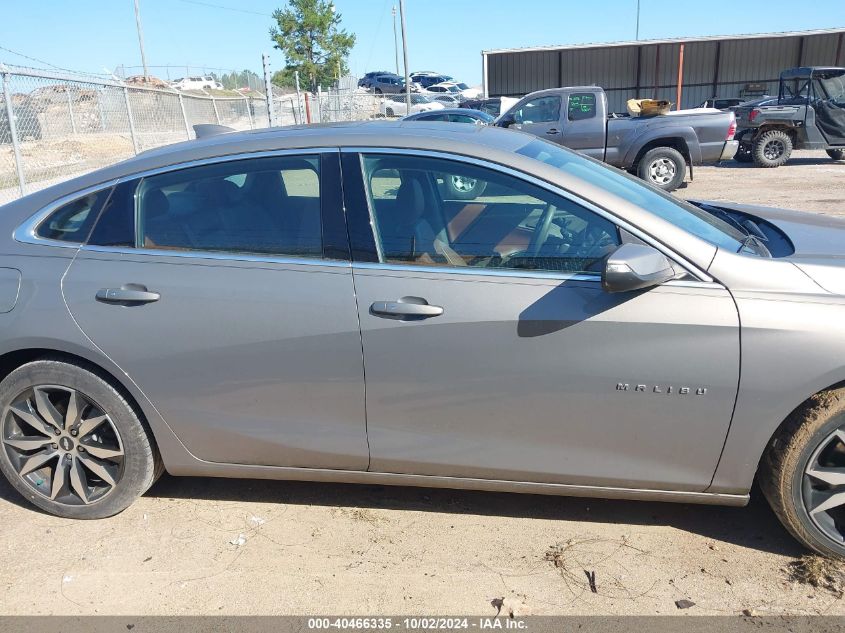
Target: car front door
[(491, 350), (230, 304), (540, 117)]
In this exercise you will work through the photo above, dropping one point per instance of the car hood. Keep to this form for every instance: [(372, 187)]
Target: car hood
[(819, 241)]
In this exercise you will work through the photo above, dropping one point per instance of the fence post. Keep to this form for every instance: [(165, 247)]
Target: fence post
[(184, 116), (319, 104), (70, 110), (248, 102), (100, 108), (216, 113), (13, 130), (268, 88), (131, 120)]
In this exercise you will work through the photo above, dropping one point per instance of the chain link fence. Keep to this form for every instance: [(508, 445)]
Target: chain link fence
[(54, 127)]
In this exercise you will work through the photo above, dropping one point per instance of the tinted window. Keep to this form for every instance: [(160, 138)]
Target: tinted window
[(72, 221), (116, 224), (267, 205), (678, 212), (540, 110), (582, 105), (439, 212)]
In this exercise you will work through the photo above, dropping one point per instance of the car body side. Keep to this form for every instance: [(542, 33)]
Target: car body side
[(792, 334)]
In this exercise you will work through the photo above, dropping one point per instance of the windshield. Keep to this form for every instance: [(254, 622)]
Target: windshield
[(462, 86), (680, 213)]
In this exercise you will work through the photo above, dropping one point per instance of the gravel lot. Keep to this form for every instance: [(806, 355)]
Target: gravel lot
[(209, 546)]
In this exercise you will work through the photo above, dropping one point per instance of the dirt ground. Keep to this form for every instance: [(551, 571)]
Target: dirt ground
[(207, 546)]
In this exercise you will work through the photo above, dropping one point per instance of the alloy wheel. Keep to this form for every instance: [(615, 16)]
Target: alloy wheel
[(823, 486), (661, 171), (464, 184), (62, 444), (774, 149)]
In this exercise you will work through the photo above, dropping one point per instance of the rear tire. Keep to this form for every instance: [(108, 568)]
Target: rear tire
[(460, 188), (92, 469), (836, 154), (811, 439), (663, 167), (772, 148)]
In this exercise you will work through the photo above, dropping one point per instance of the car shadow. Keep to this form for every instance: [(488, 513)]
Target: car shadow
[(792, 162), (754, 526)]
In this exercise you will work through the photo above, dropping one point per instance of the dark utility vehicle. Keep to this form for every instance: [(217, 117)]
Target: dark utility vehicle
[(809, 114), (657, 148)]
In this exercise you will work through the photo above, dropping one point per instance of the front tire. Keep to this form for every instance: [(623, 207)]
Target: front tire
[(663, 167), (772, 148), (836, 154), (71, 443), (803, 473), (462, 188)]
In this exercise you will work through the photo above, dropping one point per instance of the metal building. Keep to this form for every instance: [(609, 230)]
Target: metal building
[(684, 71)]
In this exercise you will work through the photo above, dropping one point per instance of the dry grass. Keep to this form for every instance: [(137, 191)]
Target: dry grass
[(819, 572)]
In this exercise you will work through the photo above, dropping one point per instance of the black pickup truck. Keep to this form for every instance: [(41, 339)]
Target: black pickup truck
[(809, 114), (656, 148)]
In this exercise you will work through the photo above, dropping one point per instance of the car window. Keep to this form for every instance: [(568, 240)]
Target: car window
[(582, 105), (439, 212), (266, 206), (539, 110), (72, 222), (462, 118), (684, 215)]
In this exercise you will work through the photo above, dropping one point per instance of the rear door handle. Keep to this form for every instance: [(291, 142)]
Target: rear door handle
[(135, 294), (406, 308)]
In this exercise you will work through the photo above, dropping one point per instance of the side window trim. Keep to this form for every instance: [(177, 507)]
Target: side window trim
[(26, 232), (620, 223), (337, 247)]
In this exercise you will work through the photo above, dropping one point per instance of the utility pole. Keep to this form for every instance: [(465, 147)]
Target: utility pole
[(638, 19), (395, 40), (405, 56), (141, 40)]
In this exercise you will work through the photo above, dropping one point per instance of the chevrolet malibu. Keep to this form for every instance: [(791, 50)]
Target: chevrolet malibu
[(311, 304)]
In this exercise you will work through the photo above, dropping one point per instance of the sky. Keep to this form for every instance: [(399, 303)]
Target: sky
[(96, 36)]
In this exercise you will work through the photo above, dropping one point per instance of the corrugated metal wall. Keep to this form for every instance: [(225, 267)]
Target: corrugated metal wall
[(722, 68)]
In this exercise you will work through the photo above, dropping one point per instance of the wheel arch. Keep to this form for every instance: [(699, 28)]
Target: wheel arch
[(675, 142), (163, 438)]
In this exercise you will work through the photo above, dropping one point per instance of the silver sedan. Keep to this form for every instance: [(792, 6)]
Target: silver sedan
[(319, 304)]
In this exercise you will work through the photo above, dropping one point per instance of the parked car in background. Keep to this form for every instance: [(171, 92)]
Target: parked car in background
[(388, 83), (658, 149), (447, 87), (720, 104), (452, 115), (363, 81), (427, 78), (197, 83), (809, 114), (448, 100), (396, 106), (377, 332), (493, 105)]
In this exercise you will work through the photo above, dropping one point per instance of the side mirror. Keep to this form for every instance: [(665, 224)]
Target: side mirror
[(634, 267)]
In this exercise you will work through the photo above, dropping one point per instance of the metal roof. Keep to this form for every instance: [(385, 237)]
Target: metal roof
[(677, 40)]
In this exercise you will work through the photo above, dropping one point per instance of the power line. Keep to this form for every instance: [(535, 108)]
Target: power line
[(42, 62), (220, 6)]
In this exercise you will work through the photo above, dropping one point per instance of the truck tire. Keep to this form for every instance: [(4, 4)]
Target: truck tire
[(663, 167), (836, 154), (461, 188), (801, 473), (772, 148)]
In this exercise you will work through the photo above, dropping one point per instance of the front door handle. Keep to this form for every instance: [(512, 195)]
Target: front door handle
[(129, 294), (406, 309), (553, 130)]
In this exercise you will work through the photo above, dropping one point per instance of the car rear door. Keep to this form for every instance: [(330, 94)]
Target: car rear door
[(230, 304), (492, 352)]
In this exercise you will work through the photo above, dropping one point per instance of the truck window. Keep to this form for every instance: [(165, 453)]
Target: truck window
[(539, 110), (582, 105)]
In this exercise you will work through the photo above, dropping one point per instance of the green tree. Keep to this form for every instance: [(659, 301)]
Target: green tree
[(308, 34)]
